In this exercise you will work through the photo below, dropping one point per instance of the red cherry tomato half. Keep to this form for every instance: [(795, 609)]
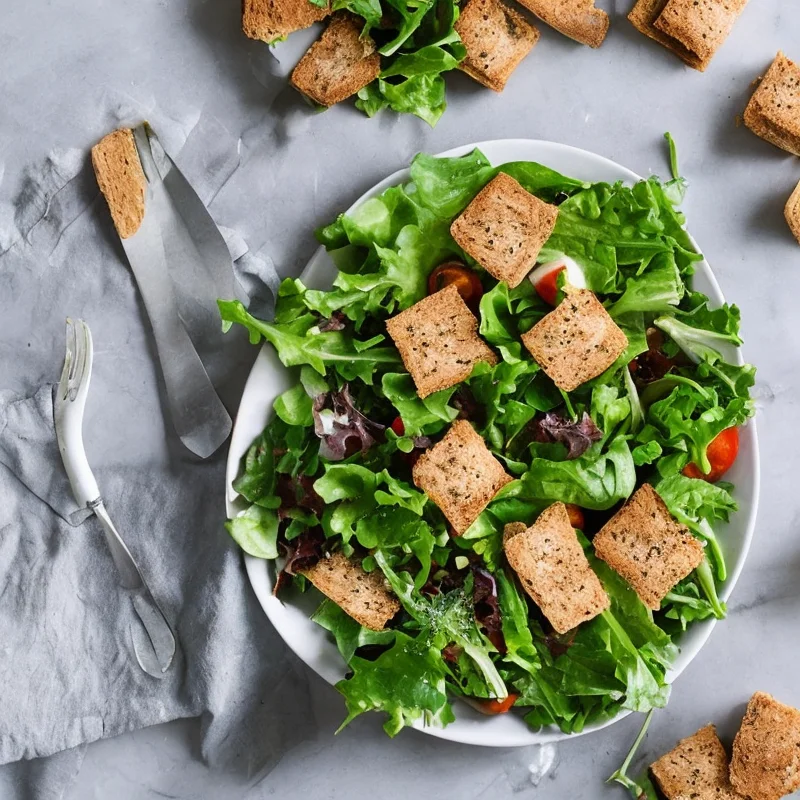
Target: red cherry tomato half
[(398, 427), (547, 285), (492, 707), (575, 516), (721, 453), (464, 279)]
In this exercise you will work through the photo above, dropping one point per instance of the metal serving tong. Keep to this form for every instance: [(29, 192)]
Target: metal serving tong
[(153, 640)]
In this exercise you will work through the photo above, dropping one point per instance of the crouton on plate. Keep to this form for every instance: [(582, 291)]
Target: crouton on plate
[(766, 751), (362, 595), (504, 228), (339, 64), (576, 341), (773, 112), (554, 570), (438, 341), (693, 29), (121, 179), (460, 475), (697, 767), (578, 19), (496, 38), (648, 547), (793, 212), (269, 20)]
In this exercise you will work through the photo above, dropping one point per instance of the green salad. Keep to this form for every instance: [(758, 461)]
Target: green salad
[(332, 477)]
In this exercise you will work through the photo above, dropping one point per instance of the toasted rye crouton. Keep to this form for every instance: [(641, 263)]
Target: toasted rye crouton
[(693, 29), (338, 64), (268, 20), (773, 112), (504, 228), (121, 179), (497, 38), (766, 750), (697, 767), (362, 595), (578, 19), (793, 212), (576, 341), (647, 547), (460, 475), (554, 570), (438, 341)]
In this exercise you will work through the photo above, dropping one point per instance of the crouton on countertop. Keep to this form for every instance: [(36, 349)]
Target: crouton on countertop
[(578, 19), (268, 20), (438, 341), (460, 475), (773, 112), (793, 212), (648, 547), (576, 341), (554, 570)]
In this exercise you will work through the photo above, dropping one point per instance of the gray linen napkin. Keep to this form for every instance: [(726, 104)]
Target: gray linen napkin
[(68, 675)]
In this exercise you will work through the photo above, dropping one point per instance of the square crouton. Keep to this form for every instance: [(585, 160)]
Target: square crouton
[(697, 767), (362, 595), (648, 547), (773, 112), (576, 341), (339, 64), (269, 20), (460, 475), (793, 212), (438, 341), (121, 179), (496, 38), (578, 19), (693, 29), (766, 750), (554, 570), (504, 228)]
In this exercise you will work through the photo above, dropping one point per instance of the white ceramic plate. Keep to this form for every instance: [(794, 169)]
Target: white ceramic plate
[(269, 378)]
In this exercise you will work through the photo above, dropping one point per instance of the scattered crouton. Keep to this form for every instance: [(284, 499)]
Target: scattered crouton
[(339, 64), (648, 547), (693, 29), (438, 341), (362, 595), (576, 341), (793, 212), (121, 179), (578, 19), (766, 750), (513, 529), (504, 228), (773, 112), (460, 475), (554, 570), (269, 20), (697, 767), (497, 38)]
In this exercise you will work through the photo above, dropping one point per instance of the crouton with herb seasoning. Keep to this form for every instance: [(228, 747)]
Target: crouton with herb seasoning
[(362, 595), (460, 475), (648, 547), (697, 767), (504, 228), (554, 570), (773, 112), (496, 38), (438, 341), (577, 341), (766, 750), (270, 20)]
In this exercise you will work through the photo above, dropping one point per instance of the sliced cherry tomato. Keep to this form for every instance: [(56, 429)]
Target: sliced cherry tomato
[(575, 516), (721, 453), (398, 427), (492, 707), (464, 279), (547, 285)]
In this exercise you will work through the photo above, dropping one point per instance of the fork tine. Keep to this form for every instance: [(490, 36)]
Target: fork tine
[(69, 362), (81, 344)]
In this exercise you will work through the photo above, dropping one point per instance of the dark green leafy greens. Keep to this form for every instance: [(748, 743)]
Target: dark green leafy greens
[(466, 627)]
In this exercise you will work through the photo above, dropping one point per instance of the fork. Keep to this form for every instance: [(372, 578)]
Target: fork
[(153, 640)]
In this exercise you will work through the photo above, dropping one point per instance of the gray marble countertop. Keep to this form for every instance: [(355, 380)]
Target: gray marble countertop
[(69, 71)]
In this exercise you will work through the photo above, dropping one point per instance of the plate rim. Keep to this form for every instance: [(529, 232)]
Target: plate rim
[(257, 569)]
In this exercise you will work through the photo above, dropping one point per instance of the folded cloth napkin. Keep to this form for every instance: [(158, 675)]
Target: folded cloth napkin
[(67, 670)]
